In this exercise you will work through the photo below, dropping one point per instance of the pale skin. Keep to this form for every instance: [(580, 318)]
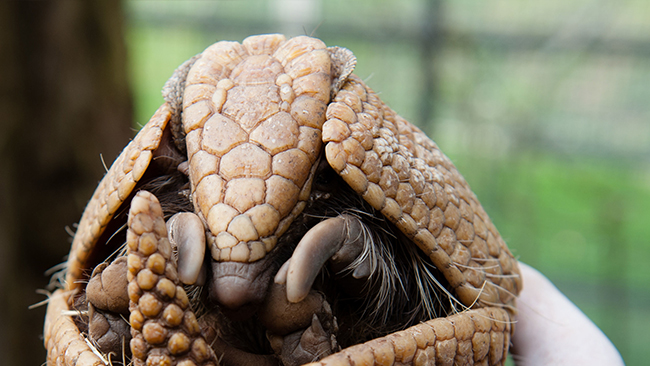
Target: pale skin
[(551, 330)]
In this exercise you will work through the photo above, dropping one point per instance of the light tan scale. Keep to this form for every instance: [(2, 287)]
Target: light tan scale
[(255, 117)]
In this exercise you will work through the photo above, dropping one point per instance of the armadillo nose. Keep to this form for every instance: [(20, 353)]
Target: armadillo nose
[(236, 285), (232, 292)]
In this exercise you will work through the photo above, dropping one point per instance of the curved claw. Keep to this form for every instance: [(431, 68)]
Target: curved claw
[(363, 270), (338, 237), (304, 346), (186, 232)]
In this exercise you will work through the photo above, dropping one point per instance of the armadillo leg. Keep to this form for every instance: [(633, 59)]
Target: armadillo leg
[(164, 328), (475, 337)]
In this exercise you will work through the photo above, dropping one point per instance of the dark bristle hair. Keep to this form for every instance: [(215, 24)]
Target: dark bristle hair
[(403, 289)]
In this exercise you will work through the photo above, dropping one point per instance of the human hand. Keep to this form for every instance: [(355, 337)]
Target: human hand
[(551, 330)]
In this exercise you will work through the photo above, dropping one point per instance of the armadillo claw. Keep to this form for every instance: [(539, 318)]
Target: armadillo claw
[(338, 238), (187, 233), (477, 336), (164, 328), (305, 345)]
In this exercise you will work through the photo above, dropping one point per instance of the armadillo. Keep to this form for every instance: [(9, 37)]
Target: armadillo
[(275, 211)]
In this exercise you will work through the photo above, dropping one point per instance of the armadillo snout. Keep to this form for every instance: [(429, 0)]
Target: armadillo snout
[(240, 286)]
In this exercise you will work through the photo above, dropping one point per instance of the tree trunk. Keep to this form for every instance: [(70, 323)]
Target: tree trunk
[(65, 104)]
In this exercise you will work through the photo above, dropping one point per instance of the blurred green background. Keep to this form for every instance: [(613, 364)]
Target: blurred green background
[(543, 106)]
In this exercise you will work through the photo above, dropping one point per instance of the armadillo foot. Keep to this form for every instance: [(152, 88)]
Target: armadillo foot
[(164, 328), (304, 346), (106, 288), (108, 306), (299, 332), (109, 331)]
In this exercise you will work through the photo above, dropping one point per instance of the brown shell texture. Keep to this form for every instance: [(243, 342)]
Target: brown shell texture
[(255, 118)]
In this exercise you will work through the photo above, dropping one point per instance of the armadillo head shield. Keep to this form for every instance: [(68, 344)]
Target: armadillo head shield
[(252, 115)]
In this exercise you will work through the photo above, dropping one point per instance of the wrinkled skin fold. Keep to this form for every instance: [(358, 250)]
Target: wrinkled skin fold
[(275, 212)]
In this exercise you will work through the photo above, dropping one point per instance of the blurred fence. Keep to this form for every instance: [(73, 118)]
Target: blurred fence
[(544, 107)]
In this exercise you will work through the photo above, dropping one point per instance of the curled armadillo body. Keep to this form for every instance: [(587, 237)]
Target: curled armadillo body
[(275, 211)]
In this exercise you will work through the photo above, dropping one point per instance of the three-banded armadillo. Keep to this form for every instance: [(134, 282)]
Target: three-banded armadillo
[(274, 211)]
